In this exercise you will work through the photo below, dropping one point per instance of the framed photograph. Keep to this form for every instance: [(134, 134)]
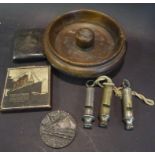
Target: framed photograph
[(27, 88)]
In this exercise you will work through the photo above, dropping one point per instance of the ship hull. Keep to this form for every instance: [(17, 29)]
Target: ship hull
[(35, 87)]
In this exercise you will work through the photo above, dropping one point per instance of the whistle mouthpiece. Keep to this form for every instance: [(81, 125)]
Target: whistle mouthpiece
[(88, 120), (104, 121), (129, 124)]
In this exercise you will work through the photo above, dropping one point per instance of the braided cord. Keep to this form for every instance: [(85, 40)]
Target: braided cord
[(148, 101), (118, 93), (101, 80)]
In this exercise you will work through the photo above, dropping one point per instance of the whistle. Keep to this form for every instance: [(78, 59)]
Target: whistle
[(88, 116), (104, 115), (127, 105)]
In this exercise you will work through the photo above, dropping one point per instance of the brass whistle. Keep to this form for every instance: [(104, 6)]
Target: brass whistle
[(104, 115), (127, 105), (88, 116)]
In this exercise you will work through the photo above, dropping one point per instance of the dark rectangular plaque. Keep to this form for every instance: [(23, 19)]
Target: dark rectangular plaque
[(27, 88), (28, 45)]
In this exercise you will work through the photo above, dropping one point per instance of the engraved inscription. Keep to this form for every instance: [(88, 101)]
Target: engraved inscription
[(22, 97)]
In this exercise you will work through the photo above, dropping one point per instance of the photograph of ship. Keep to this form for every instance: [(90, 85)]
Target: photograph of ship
[(27, 87)]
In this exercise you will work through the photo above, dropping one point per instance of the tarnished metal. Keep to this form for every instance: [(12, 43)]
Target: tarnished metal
[(104, 115), (58, 129), (85, 43), (127, 105), (28, 45), (88, 116)]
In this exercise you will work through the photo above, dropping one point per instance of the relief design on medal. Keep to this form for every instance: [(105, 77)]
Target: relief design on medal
[(27, 87), (58, 129)]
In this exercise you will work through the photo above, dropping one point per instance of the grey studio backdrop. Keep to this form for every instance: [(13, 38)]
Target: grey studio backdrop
[(20, 131)]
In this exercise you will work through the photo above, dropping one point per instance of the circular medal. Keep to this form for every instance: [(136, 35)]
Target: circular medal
[(58, 129)]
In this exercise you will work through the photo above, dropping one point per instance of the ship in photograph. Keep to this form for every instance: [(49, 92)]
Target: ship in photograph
[(27, 88)]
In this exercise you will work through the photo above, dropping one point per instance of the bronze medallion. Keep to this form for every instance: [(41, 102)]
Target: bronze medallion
[(85, 43), (58, 129)]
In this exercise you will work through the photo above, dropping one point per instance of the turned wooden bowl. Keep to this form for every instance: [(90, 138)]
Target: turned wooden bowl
[(85, 43)]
